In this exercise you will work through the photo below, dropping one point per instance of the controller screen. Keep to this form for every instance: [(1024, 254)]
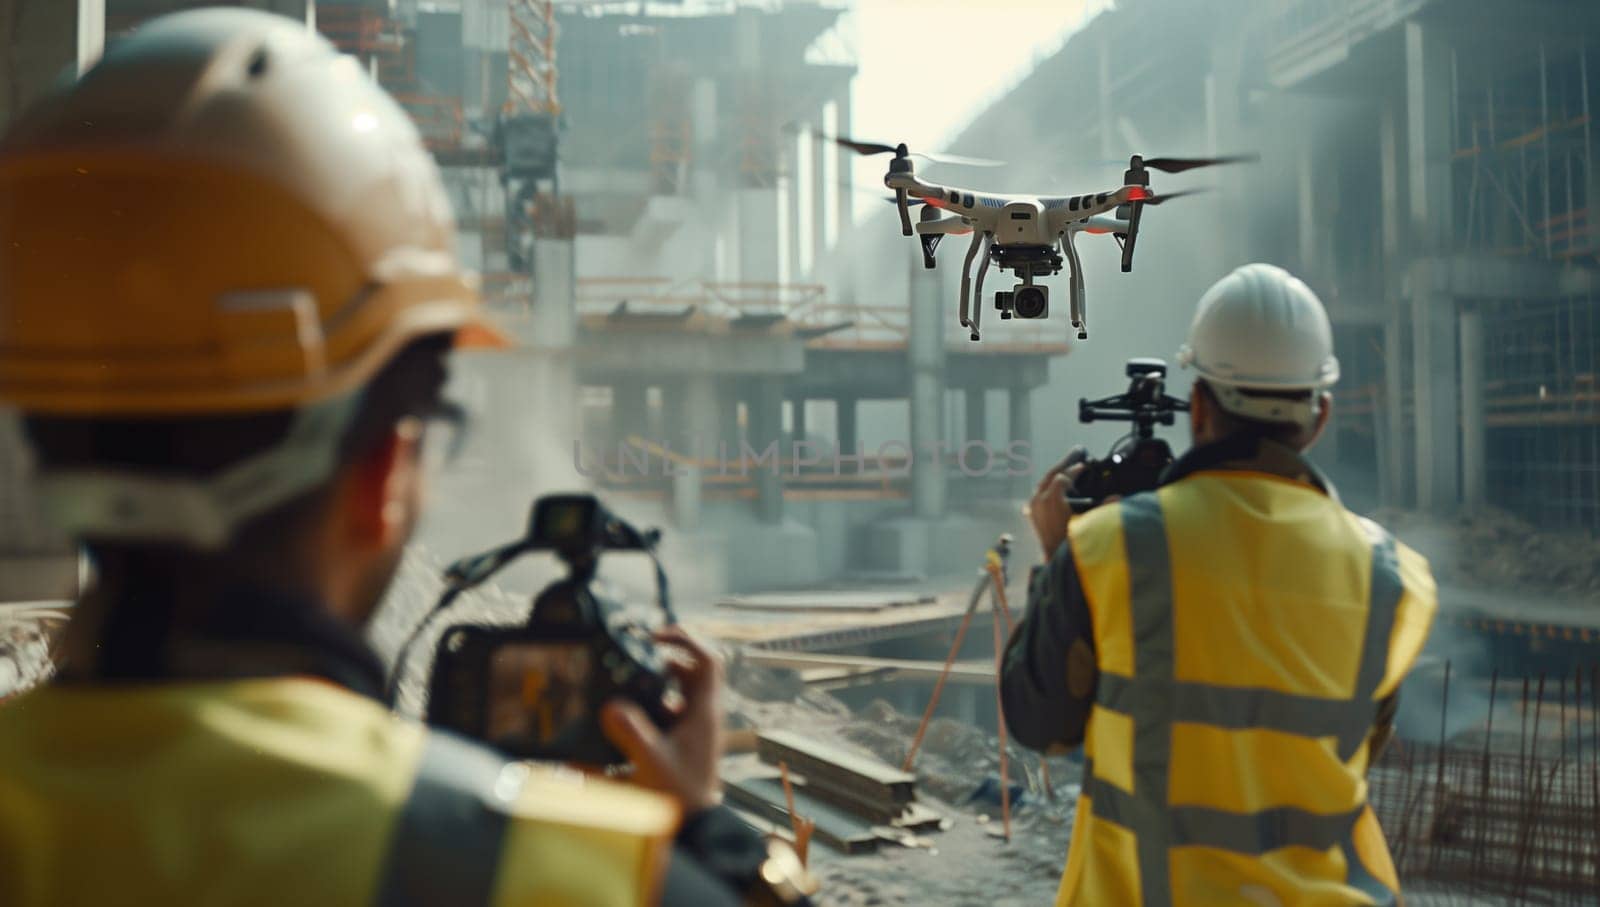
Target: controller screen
[(537, 692)]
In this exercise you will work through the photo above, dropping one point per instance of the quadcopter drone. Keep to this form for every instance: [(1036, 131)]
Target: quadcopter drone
[(1028, 235)]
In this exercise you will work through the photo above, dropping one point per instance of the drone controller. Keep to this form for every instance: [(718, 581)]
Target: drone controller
[(1136, 462), (535, 691)]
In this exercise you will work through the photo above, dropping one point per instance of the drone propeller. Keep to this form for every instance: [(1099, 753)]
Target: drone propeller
[(868, 149), (1184, 164), (1154, 199)]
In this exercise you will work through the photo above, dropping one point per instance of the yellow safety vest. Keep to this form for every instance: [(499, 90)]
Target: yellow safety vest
[(294, 791), (1245, 626)]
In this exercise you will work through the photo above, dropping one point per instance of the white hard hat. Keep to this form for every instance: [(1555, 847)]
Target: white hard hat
[(1262, 329)]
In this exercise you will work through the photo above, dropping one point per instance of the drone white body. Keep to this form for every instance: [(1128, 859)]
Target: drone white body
[(1018, 233), (1031, 235)]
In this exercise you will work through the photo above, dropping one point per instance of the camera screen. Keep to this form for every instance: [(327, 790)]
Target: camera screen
[(564, 522), (537, 692)]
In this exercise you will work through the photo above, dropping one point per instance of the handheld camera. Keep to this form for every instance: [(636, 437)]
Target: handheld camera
[(1136, 461), (535, 691)]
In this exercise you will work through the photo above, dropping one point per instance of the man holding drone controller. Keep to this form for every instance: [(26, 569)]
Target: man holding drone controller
[(1228, 647), (228, 288)]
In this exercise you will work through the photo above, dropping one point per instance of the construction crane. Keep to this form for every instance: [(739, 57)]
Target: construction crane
[(527, 131)]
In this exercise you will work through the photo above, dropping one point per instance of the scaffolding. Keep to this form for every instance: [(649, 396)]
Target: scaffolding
[(1525, 177)]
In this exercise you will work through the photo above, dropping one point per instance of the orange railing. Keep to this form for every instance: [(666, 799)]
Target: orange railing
[(438, 117), (358, 30)]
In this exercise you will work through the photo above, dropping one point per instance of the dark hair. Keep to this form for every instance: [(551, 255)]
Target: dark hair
[(1292, 434), (201, 446)]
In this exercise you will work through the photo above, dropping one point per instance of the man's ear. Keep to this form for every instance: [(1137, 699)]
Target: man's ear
[(1324, 414), (377, 486), (1199, 411)]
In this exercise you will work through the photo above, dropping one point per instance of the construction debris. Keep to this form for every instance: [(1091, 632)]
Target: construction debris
[(852, 802), (823, 600), (1500, 550), (26, 635), (858, 783), (1508, 551), (1504, 811)]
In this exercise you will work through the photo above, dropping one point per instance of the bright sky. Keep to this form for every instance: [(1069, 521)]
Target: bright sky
[(907, 91)]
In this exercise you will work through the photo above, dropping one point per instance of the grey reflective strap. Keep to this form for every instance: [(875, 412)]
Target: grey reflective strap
[(1245, 708), (1357, 876), (1252, 834), (447, 839), (1150, 589), (1383, 601)]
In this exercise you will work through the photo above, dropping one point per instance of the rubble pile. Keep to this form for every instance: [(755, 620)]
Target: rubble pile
[(1504, 550), (956, 760)]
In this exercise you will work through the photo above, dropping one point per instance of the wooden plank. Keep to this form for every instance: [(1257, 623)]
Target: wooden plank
[(845, 773), (835, 827), (979, 672)]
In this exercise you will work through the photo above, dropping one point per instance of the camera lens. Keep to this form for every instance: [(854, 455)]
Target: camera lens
[(1030, 302)]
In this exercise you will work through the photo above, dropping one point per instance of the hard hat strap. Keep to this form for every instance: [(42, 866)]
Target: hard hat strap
[(201, 513)]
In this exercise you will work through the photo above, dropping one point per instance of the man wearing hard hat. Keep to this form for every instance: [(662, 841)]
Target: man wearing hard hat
[(228, 288), (1227, 648)]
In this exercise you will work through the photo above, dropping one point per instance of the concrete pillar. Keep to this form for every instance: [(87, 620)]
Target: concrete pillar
[(1224, 127), (515, 441), (797, 418), (1473, 429), (728, 430), (765, 413), (695, 411), (1395, 469), (1394, 478), (820, 189), (927, 353), (792, 218), (41, 41), (1019, 402), (846, 163), (846, 430), (977, 414), (555, 310), (1429, 97), (630, 410), (1307, 180), (758, 234), (1108, 113)]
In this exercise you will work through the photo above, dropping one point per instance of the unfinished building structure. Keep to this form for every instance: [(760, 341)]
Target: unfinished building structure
[(1426, 166), (667, 279), (691, 273)]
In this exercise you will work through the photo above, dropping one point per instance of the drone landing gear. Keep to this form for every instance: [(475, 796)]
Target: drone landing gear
[(979, 240), (1076, 301)]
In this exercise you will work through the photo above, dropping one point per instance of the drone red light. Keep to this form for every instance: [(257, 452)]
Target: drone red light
[(1137, 193)]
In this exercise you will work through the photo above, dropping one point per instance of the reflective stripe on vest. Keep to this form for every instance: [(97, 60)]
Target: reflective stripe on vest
[(1154, 700), (447, 839)]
